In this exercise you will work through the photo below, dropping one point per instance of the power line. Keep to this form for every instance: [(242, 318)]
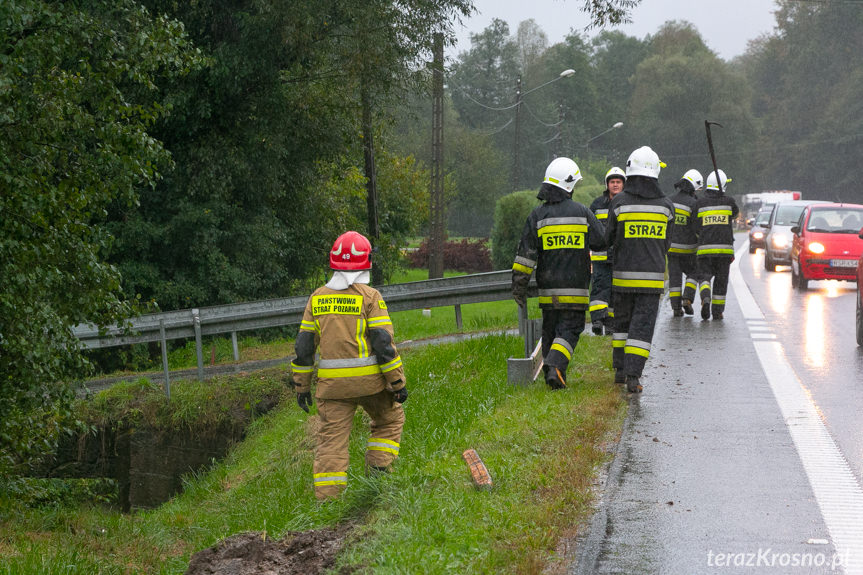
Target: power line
[(529, 111)]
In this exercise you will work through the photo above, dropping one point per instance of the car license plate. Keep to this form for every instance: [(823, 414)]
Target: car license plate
[(843, 263)]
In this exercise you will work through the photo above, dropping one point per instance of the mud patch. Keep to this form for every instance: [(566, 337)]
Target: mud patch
[(299, 552)]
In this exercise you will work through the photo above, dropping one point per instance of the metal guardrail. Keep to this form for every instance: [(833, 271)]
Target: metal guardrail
[(474, 288), (198, 322)]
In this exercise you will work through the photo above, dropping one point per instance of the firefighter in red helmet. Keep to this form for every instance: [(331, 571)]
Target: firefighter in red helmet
[(347, 323)]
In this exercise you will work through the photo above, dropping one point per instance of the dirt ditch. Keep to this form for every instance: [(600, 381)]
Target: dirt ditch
[(298, 552)]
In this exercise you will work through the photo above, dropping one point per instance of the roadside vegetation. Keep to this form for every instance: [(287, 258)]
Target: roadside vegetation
[(543, 450)]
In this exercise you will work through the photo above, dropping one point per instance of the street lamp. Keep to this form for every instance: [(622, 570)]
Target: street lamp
[(518, 96), (587, 143)]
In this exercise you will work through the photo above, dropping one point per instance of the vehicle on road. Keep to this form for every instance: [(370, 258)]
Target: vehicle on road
[(777, 248), (757, 232), (859, 295), (826, 243)]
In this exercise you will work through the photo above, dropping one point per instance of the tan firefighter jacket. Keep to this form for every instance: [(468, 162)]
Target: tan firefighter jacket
[(354, 333)]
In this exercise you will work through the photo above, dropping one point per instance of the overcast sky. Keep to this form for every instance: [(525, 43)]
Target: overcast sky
[(725, 25)]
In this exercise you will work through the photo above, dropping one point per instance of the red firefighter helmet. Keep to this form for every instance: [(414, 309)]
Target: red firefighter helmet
[(351, 252)]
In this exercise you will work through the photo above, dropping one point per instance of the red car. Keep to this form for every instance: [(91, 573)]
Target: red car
[(859, 301), (826, 244)]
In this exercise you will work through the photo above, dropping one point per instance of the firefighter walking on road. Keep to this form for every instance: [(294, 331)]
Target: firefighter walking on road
[(556, 242), (347, 321), (714, 219), (681, 254), (601, 312), (639, 227)]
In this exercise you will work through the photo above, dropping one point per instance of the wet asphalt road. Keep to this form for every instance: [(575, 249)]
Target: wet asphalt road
[(816, 329), (707, 478)]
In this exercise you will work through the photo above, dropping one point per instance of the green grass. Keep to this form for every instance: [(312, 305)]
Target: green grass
[(542, 450)]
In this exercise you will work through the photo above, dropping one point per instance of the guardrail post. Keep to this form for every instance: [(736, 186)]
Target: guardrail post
[(234, 346), (165, 359), (523, 329), (199, 351), (458, 316)]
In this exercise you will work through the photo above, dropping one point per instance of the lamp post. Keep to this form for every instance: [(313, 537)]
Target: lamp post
[(587, 143), (516, 163)]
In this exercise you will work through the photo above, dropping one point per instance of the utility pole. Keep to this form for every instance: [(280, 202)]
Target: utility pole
[(371, 177), (515, 151), (558, 143), (437, 223)]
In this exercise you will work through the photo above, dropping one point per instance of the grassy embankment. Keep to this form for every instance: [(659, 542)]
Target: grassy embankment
[(542, 449)]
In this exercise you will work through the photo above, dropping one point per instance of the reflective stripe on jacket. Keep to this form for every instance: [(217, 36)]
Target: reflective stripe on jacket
[(599, 207), (714, 215), (353, 332), (556, 242), (639, 227)]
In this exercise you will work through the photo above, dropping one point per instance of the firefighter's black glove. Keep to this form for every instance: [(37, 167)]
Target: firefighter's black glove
[(401, 395), (520, 299), (304, 400)]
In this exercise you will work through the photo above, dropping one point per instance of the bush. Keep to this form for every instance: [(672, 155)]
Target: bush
[(510, 213), (463, 256)]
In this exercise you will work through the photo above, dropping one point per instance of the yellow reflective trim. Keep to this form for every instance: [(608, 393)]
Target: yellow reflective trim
[(391, 365), (598, 307), (307, 326), (562, 350), (556, 229), (718, 301), (544, 299), (573, 299), (552, 180), (302, 368), (636, 350), (522, 269), (381, 440), (602, 216), (349, 371), (674, 294), (594, 258), (714, 213), (638, 283), (331, 474), (717, 251), (362, 348), (681, 251), (380, 320), (642, 217), (618, 343), (379, 448)]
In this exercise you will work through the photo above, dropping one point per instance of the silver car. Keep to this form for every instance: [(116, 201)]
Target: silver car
[(777, 249)]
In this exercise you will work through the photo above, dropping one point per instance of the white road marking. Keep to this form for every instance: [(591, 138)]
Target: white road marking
[(837, 491)]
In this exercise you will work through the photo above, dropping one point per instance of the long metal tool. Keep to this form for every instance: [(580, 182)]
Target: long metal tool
[(707, 125)]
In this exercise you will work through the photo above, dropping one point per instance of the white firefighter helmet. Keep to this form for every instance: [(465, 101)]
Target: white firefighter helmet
[(694, 177), (615, 172), (643, 162), (711, 180), (563, 173)]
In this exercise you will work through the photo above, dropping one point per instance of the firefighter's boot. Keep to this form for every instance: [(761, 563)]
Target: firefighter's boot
[(705, 309), (686, 304), (632, 384), (596, 327)]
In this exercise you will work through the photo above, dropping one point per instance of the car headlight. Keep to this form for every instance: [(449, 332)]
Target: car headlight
[(758, 235), (815, 247), (779, 241)]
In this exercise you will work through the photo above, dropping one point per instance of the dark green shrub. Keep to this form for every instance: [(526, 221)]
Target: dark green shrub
[(510, 213)]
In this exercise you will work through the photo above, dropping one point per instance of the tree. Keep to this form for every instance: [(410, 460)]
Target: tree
[(77, 101), (678, 86)]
